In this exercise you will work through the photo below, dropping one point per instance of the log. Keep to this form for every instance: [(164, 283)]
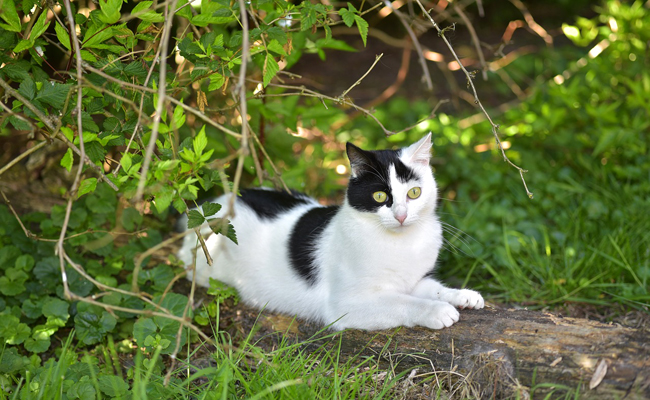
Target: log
[(498, 353)]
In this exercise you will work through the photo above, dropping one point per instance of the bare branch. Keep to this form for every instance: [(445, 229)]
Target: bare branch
[(162, 85), (470, 82)]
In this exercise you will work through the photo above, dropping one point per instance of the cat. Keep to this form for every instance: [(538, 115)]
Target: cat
[(366, 264)]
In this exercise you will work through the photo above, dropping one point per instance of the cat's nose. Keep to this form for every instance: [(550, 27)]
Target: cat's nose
[(400, 217)]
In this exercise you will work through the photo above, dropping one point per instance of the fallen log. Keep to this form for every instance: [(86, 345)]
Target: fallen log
[(502, 353)]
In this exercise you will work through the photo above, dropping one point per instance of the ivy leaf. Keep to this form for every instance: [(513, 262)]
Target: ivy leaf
[(363, 28), (10, 15), (194, 219), (210, 209), (88, 185), (271, 68), (66, 161)]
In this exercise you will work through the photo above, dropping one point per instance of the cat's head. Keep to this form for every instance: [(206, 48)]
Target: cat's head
[(395, 186)]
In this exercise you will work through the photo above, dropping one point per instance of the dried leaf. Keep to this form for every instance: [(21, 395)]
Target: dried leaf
[(599, 374)]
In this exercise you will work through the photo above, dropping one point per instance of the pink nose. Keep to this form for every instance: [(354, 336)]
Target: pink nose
[(400, 218)]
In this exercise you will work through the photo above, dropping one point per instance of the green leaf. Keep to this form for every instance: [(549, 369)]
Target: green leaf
[(23, 45), (210, 209), (270, 69), (56, 311), (200, 142), (53, 94), (224, 227), (11, 361), (216, 81), (277, 33), (25, 262), (131, 219), (110, 11), (363, 28), (178, 119), (96, 35), (66, 161), (37, 345), (140, 7), (10, 15), (82, 390), (163, 199), (126, 161), (194, 219), (62, 35), (88, 185), (142, 328), (179, 205), (276, 47), (112, 385), (347, 16), (93, 326), (40, 26)]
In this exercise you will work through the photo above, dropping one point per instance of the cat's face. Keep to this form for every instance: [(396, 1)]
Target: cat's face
[(395, 187)]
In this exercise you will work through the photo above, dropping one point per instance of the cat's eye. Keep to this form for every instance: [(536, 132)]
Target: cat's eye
[(379, 197), (414, 193)]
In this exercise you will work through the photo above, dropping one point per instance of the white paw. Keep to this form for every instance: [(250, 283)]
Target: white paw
[(465, 298), (441, 316)]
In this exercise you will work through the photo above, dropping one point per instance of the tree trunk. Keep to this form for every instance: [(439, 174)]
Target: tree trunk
[(502, 353)]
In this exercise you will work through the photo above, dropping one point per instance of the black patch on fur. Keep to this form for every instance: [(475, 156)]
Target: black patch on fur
[(269, 204), (305, 235), (371, 169)]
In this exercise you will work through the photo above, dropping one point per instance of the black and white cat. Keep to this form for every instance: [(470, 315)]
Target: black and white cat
[(365, 264)]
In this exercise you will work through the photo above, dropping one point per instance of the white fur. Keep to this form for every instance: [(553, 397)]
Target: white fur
[(371, 269)]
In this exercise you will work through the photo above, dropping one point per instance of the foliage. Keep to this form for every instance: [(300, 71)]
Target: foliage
[(584, 141)]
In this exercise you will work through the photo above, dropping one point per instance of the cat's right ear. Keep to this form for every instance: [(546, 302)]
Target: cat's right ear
[(359, 161)]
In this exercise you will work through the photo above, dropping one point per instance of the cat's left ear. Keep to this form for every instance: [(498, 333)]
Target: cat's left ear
[(419, 152)]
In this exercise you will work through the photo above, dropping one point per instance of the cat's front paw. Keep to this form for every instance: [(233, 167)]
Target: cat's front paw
[(465, 298), (441, 316)]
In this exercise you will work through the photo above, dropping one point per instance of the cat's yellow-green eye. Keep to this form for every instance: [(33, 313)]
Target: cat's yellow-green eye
[(414, 193), (379, 197)]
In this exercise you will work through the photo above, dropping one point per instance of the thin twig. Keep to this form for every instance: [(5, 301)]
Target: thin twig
[(470, 82), (73, 190), (534, 26), (416, 43), (162, 86), (377, 58), (477, 43), (23, 155), (241, 89)]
